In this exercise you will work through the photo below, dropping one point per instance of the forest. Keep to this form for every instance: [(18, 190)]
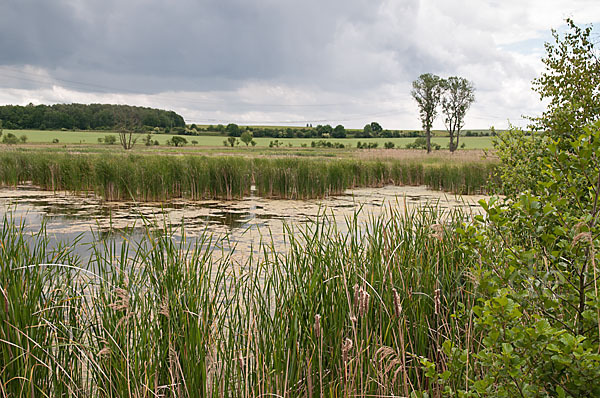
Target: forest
[(86, 117)]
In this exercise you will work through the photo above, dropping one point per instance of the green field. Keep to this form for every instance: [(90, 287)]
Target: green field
[(91, 137)]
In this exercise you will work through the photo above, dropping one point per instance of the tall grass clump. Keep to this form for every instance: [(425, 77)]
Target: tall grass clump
[(158, 178), (40, 316), (336, 312)]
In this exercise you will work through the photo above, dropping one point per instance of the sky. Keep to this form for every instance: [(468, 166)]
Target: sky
[(281, 62)]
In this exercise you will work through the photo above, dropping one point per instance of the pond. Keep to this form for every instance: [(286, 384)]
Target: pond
[(241, 223)]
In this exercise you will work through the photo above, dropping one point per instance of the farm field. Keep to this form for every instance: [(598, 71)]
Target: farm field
[(91, 137)]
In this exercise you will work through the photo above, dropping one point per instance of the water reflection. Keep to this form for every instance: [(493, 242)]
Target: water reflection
[(244, 222)]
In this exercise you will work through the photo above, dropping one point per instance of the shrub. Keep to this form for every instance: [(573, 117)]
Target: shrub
[(110, 139), (10, 139)]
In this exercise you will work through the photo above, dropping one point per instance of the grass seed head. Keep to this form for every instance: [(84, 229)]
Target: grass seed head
[(317, 325), (582, 236), (437, 231), (437, 301), (397, 303)]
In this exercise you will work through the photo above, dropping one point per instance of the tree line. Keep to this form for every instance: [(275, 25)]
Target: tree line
[(371, 130), (87, 117)]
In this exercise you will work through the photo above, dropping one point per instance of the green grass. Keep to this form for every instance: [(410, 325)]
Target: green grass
[(91, 137), (334, 315), (152, 178)]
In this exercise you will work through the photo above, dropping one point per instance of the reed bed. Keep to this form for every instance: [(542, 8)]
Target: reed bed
[(341, 312), (157, 178)]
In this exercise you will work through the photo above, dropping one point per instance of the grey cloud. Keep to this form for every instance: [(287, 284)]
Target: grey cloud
[(153, 44)]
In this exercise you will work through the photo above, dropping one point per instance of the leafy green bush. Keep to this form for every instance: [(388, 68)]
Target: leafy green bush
[(421, 143), (177, 141), (10, 138), (110, 139), (539, 312)]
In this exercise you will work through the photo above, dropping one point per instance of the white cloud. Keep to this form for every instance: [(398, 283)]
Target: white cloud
[(270, 61)]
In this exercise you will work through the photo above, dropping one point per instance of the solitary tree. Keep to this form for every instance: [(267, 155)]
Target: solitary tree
[(177, 141), (427, 91), (127, 124), (231, 141), (246, 137), (458, 96)]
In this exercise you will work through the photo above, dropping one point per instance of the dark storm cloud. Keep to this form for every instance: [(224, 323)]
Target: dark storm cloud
[(158, 44)]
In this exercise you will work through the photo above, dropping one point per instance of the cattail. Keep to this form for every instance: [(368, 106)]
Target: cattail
[(346, 347), (437, 301), (317, 325), (361, 300), (364, 303), (397, 304)]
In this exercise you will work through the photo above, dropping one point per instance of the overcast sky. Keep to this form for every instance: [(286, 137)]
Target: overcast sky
[(280, 61)]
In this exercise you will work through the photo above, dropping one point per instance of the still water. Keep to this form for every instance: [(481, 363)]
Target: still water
[(243, 223)]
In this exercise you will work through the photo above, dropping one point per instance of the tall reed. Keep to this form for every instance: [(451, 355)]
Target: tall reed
[(156, 178), (339, 311)]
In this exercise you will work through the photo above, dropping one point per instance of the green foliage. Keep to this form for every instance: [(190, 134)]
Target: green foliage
[(389, 145), (540, 310), (570, 83), (324, 131), (83, 117), (326, 144), (231, 141), (427, 91), (177, 141), (23, 138), (185, 318), (366, 145), (10, 138), (110, 139), (246, 137), (233, 130), (521, 156), (339, 132), (421, 143), (376, 128), (458, 96), (139, 177)]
